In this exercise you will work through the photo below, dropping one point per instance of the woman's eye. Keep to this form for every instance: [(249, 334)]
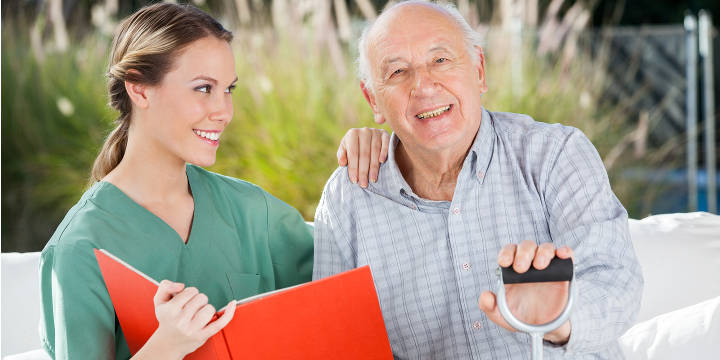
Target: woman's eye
[(230, 89), (204, 88)]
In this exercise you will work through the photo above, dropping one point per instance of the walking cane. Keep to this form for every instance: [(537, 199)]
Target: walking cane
[(558, 270)]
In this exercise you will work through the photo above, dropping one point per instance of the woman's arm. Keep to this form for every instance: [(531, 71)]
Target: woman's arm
[(78, 318)]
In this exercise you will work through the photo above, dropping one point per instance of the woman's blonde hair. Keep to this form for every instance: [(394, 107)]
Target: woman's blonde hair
[(142, 52)]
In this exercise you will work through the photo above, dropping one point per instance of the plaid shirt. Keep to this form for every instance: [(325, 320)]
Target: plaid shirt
[(431, 260)]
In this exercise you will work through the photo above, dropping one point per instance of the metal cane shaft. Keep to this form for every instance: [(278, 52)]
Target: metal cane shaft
[(558, 270), (537, 346)]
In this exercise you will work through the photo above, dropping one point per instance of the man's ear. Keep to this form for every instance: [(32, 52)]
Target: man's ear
[(138, 93), (480, 67), (370, 97)]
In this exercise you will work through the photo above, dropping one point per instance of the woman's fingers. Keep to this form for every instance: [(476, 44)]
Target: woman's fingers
[(376, 147), (352, 146), (178, 301), (193, 306), (222, 321), (365, 143), (385, 146), (341, 154), (362, 151), (166, 291)]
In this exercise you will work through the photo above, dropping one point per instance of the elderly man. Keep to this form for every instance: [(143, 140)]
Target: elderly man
[(465, 189)]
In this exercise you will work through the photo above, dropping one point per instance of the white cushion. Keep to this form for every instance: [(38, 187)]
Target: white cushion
[(680, 259), (20, 302), (38, 354), (689, 333)]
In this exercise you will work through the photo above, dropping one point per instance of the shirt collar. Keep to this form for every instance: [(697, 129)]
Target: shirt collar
[(392, 184), (483, 146)]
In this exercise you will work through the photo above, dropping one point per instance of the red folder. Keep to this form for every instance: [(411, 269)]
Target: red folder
[(333, 318)]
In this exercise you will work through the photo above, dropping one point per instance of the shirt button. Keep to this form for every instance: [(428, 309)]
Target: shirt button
[(480, 175), (476, 325), (456, 210), (466, 266)]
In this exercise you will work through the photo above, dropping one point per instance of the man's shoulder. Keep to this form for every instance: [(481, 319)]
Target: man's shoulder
[(339, 187), (522, 126)]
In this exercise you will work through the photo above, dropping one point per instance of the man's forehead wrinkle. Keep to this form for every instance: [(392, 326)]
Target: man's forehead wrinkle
[(383, 44), (399, 49), (397, 33), (406, 16), (405, 12)]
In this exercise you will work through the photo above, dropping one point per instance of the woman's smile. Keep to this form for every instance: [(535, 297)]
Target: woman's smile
[(211, 137)]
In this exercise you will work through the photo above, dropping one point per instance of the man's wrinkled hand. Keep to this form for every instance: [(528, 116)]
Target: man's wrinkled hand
[(532, 303)]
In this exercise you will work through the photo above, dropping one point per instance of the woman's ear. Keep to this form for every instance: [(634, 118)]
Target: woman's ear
[(138, 93)]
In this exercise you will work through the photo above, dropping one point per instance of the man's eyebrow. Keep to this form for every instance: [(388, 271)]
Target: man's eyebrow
[(439, 47), (388, 61), (385, 63)]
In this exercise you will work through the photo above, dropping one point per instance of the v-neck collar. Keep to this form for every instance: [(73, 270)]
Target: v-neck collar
[(114, 200)]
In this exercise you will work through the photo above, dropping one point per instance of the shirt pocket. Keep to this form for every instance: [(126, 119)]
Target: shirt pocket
[(243, 285)]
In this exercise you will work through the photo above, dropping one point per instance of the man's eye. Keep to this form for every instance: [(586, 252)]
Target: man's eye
[(204, 88), (396, 72), (441, 60)]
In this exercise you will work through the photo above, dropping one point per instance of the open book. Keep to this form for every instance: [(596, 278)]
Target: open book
[(333, 318)]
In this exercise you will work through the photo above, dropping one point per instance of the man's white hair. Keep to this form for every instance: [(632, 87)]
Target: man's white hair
[(472, 38)]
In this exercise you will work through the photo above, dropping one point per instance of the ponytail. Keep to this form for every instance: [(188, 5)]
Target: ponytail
[(112, 151)]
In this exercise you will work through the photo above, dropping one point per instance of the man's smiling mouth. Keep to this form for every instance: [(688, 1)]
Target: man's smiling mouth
[(433, 113)]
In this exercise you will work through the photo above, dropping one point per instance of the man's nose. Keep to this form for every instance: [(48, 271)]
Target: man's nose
[(424, 83)]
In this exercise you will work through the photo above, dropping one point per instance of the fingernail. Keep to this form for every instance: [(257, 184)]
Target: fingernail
[(353, 180), (374, 179)]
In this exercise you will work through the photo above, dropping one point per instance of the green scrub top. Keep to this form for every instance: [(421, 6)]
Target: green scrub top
[(243, 242)]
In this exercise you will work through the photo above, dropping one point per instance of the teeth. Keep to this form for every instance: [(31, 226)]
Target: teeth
[(433, 113), (208, 135)]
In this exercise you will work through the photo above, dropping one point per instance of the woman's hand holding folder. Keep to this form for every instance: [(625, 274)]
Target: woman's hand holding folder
[(185, 321)]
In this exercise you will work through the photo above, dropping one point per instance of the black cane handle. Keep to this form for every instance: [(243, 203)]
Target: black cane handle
[(558, 270)]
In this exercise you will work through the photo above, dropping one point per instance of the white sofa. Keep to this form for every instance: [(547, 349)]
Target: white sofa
[(679, 316)]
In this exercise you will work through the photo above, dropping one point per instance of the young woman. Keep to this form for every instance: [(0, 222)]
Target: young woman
[(170, 76)]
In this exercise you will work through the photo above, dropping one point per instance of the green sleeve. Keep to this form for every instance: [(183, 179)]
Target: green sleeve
[(78, 321), (291, 243)]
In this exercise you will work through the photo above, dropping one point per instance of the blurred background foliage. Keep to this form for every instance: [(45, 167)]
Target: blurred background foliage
[(296, 95)]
